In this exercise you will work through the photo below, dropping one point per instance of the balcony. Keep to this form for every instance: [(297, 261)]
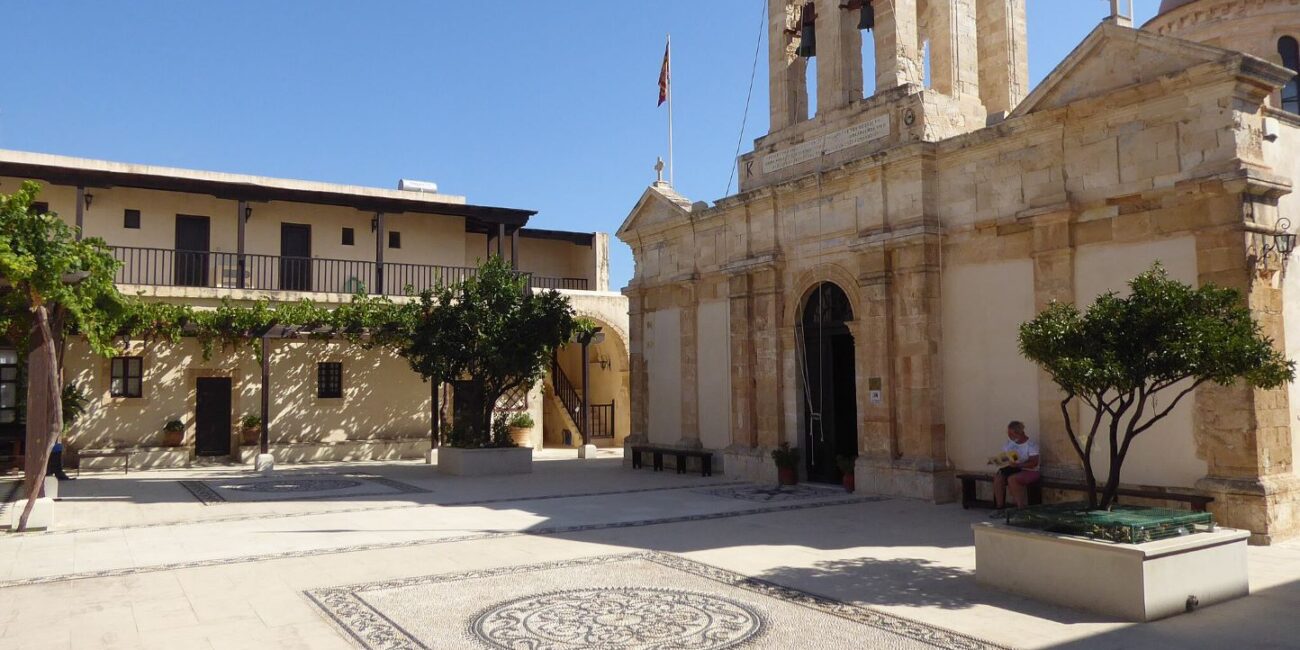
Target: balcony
[(164, 267)]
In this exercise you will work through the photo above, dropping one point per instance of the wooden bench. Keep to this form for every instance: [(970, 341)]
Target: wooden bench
[(106, 453), (1197, 502), (706, 458)]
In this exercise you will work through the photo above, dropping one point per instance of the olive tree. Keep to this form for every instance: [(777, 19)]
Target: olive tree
[(490, 335), (1133, 359)]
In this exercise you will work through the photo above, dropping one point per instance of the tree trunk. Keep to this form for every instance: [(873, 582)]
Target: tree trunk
[(1112, 482), (44, 410)]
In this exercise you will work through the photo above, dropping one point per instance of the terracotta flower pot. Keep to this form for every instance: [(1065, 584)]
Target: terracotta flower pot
[(849, 483), (521, 436), (787, 475), (173, 438), (250, 437)]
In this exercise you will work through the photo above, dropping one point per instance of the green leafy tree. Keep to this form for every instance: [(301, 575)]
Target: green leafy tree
[(490, 335), (52, 285), (1133, 359)]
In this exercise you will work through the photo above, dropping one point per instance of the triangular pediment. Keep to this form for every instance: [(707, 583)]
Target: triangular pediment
[(660, 205), (1114, 57)]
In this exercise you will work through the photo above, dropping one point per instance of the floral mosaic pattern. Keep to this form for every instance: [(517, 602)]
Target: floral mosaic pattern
[(296, 487), (631, 618)]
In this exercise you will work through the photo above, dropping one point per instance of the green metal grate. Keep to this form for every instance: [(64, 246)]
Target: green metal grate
[(1123, 524)]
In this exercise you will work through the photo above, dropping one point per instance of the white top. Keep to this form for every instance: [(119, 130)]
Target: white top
[(1024, 450)]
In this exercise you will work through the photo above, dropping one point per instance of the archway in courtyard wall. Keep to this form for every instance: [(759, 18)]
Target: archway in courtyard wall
[(826, 354), (608, 415)]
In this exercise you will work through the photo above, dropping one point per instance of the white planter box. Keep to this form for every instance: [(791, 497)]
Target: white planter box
[(485, 462), (1136, 582)]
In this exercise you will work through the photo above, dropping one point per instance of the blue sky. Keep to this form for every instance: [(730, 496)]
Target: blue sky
[(547, 106)]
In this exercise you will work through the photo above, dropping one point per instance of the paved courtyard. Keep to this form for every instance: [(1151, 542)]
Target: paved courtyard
[(392, 555)]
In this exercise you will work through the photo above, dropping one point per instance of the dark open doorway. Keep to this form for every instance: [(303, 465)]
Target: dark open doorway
[(190, 268), (295, 257), (827, 356), (212, 416)]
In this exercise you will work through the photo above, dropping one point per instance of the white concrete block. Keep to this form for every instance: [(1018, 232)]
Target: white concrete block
[(51, 488), (42, 514), (264, 464), (485, 462), (1135, 582), (587, 451), (431, 457)]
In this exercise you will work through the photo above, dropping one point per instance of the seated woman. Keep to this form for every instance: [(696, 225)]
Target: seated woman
[(1020, 474)]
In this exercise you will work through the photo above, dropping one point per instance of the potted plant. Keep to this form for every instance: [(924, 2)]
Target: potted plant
[(173, 433), (521, 429), (250, 430), (846, 464), (787, 464)]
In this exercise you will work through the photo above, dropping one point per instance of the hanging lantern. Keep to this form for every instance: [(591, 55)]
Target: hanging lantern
[(867, 21), (808, 31)]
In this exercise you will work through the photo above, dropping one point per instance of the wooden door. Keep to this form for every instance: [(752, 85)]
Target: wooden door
[(212, 416)]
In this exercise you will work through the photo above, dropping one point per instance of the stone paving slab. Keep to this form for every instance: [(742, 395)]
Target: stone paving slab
[(642, 601)]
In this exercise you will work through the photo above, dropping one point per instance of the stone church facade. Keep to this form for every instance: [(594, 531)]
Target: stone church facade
[(860, 295)]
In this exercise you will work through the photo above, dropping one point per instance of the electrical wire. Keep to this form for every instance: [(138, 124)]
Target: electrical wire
[(749, 97)]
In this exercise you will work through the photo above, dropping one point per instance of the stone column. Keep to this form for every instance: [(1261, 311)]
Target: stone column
[(766, 313), (920, 466), (873, 345), (839, 56), (1244, 434), (1054, 281), (1003, 54), (787, 72), (689, 326), (742, 364), (638, 379), (897, 42), (954, 53)]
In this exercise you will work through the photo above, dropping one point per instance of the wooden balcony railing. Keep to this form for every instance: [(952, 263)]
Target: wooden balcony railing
[(176, 268)]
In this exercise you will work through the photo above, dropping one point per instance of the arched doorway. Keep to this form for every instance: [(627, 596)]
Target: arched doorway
[(830, 410)]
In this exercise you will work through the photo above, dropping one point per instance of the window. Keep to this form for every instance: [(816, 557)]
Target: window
[(394, 239), (1290, 51), (131, 219), (329, 380), (126, 374), (9, 385), (40, 207), (349, 236)]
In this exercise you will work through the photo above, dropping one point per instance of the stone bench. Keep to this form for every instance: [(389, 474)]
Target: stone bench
[(1197, 502), (106, 453), (706, 458)]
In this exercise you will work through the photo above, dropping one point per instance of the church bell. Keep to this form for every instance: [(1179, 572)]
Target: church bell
[(867, 21), (808, 31)]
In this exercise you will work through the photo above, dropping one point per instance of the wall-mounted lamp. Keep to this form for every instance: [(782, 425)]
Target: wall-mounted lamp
[(1280, 242), (88, 198), (248, 213), (374, 224)]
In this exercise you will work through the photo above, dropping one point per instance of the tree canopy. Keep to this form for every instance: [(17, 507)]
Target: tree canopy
[(1118, 355), (488, 335)]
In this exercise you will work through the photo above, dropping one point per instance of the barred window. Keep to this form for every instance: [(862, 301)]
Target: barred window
[(131, 219), (329, 380), (126, 375)]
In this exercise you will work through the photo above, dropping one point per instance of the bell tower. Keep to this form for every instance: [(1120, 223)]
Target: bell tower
[(976, 50)]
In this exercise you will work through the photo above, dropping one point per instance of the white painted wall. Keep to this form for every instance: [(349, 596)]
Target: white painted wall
[(663, 354), (714, 362), (1166, 454), (987, 383)]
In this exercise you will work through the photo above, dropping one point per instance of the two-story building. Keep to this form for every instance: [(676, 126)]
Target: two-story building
[(198, 238)]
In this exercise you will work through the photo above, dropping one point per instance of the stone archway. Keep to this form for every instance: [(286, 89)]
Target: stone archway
[(609, 397), (828, 379)]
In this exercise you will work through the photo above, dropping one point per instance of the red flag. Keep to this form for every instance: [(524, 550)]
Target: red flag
[(666, 74)]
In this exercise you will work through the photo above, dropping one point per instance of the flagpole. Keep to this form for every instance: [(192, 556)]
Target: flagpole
[(670, 112)]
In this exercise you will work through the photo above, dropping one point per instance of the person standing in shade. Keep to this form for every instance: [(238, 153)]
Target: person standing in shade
[(1019, 474)]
